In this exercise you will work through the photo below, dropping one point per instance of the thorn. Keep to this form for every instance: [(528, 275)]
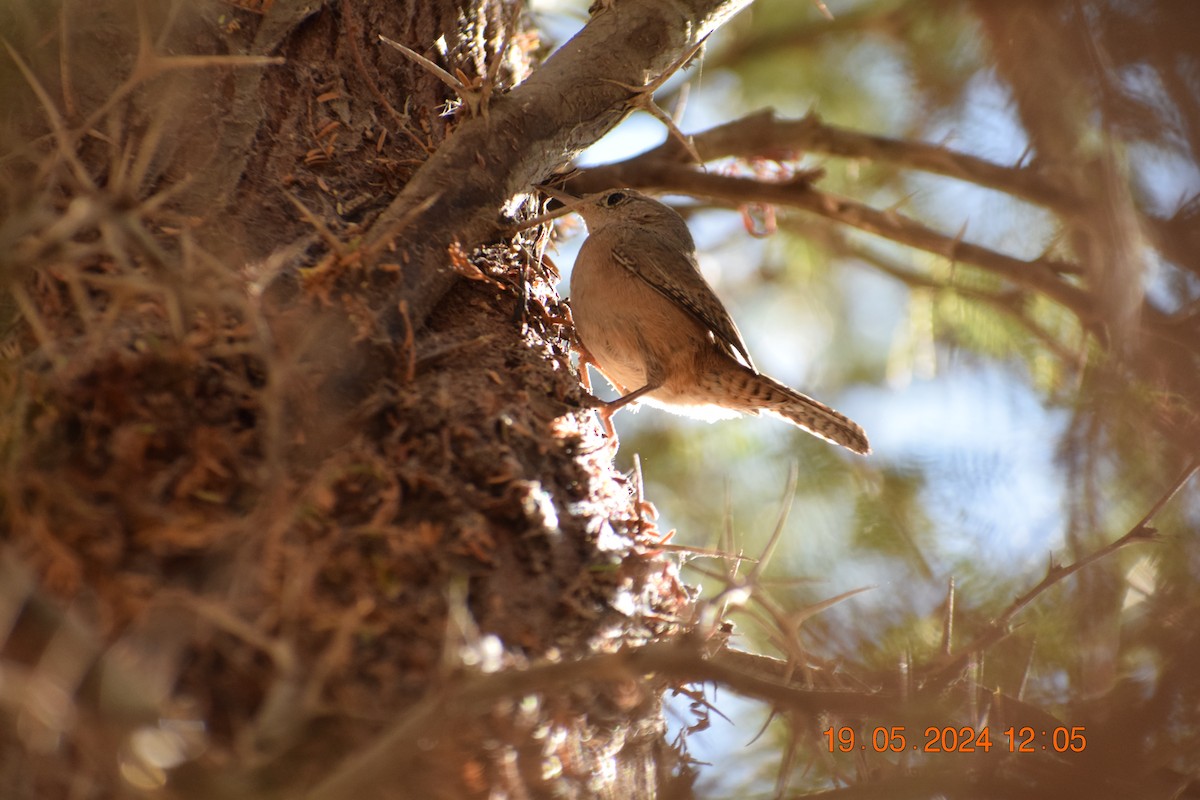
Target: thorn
[(948, 621), (644, 99), (824, 9), (474, 98), (58, 126), (454, 83), (318, 225)]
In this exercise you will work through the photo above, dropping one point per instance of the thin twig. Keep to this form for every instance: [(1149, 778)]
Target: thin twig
[(1044, 275), (1009, 303), (785, 508), (679, 661), (761, 134), (445, 77), (1141, 532), (999, 627)]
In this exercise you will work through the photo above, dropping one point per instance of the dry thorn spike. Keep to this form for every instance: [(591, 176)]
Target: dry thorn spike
[(1002, 625), (470, 96), (133, 175), (57, 124), (386, 238), (801, 616), (672, 128), (410, 346), (84, 309), (1020, 694), (726, 540), (64, 64), (121, 227), (147, 65), (644, 99), (948, 620), (704, 552), (151, 65), (785, 510), (40, 331), (156, 201), (739, 591), (312, 219)]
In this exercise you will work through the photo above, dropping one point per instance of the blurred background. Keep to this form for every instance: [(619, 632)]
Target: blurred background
[(1009, 432), (973, 226)]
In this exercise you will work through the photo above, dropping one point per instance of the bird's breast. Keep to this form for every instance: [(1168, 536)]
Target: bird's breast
[(631, 329)]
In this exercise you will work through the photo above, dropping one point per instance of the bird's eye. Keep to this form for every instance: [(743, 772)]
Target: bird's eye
[(614, 199)]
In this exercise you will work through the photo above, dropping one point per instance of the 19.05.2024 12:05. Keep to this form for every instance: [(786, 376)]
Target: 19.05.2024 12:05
[(966, 739)]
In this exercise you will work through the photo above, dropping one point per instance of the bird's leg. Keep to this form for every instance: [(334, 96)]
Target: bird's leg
[(613, 406), (608, 409), (585, 379), (586, 358)]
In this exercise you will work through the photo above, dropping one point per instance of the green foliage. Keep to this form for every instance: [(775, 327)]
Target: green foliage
[(1101, 409)]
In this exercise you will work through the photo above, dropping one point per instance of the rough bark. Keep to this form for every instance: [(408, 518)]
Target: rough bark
[(270, 460)]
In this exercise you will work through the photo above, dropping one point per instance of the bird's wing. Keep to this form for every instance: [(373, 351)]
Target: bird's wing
[(675, 274)]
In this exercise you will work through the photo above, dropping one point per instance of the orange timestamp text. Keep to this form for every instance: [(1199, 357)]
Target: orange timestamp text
[(965, 739)]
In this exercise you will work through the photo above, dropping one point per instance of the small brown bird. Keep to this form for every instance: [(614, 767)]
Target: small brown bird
[(657, 331)]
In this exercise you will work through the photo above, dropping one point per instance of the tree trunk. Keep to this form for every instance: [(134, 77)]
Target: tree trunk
[(277, 478)]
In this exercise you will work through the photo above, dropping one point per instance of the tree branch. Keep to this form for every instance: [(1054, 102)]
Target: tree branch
[(678, 661), (522, 137), (762, 134), (1010, 303), (1043, 275), (998, 628)]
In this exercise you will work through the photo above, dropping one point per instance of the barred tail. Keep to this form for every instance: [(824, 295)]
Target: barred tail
[(753, 393)]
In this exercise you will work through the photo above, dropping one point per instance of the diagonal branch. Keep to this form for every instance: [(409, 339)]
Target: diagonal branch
[(762, 134), (683, 661), (1009, 303), (1043, 275), (999, 627), (533, 130)]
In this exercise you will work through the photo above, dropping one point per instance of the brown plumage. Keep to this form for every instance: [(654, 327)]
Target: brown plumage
[(658, 332)]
